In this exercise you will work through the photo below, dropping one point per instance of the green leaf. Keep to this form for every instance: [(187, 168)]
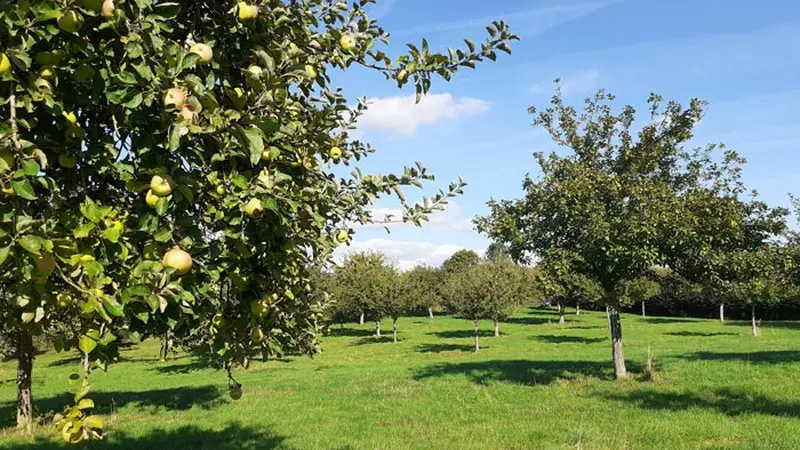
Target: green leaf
[(83, 230), (112, 306), (127, 78), (111, 234), (31, 168), (24, 189), (93, 422), (174, 138), (87, 344), (163, 235), (271, 204), (31, 243), (161, 206), (166, 10), (134, 101), (95, 212), (86, 403), (255, 144), (4, 251)]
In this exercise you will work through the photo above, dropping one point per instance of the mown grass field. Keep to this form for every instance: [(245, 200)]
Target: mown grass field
[(539, 385)]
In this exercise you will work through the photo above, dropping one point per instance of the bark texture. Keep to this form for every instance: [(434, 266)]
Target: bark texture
[(24, 377), (477, 338), (496, 328), (617, 352)]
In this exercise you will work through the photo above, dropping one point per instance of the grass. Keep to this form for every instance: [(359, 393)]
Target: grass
[(539, 385)]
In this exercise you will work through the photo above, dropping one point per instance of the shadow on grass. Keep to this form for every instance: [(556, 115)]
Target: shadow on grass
[(204, 397), (555, 339), (727, 401), (530, 320), (767, 357), (700, 333), (529, 373), (789, 325), (439, 348), (194, 366), (351, 332), (187, 437), (372, 340), (455, 334), (668, 320)]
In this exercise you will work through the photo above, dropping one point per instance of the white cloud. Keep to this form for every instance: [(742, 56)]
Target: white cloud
[(574, 83), (406, 254), (401, 116), (452, 219)]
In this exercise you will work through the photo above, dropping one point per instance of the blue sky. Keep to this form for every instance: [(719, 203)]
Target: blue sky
[(742, 56)]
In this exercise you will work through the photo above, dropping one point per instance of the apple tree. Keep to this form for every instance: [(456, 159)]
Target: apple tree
[(166, 170), (619, 199), (424, 287)]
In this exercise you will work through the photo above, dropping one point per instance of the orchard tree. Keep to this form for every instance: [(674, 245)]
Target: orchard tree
[(488, 290), (358, 284), (396, 300), (640, 290), (166, 170), (424, 285), (460, 261), (618, 200), (559, 281)]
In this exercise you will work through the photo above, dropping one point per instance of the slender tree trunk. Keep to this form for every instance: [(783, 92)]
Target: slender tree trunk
[(430, 312), (643, 313), (617, 352), (361, 319), (24, 376), (722, 312), (578, 309), (496, 328), (753, 317), (608, 318), (378, 327), (394, 330), (477, 338), (560, 312)]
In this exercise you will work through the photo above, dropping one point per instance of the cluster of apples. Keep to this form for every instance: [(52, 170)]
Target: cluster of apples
[(72, 21)]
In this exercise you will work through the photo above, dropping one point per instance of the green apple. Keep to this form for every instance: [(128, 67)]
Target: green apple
[(71, 21), (161, 185), (64, 300), (46, 264), (342, 236), (203, 51), (247, 11), (335, 153), (151, 198), (174, 98), (84, 73), (179, 260), (254, 208), (67, 161), (235, 392), (256, 335), (402, 76), (218, 320), (347, 42), (108, 9), (259, 308), (5, 64), (220, 190)]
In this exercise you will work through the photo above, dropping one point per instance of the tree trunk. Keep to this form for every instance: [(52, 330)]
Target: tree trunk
[(394, 330), (617, 352), (477, 338), (578, 309), (643, 314), (608, 318), (753, 317), (496, 328), (560, 312), (722, 312), (430, 312), (361, 319), (378, 328), (24, 376)]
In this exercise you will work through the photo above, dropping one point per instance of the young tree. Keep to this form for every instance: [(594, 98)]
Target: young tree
[(396, 299), (459, 261), (424, 287), (618, 200), (560, 282), (170, 162), (640, 290), (359, 284), (488, 290)]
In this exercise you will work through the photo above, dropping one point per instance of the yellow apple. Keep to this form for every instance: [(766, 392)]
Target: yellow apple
[(347, 42), (311, 72), (151, 198), (174, 98), (187, 112), (247, 11), (342, 236), (178, 259), (5, 64), (254, 207), (220, 190), (70, 21), (335, 153), (46, 263), (161, 185), (67, 161), (108, 9), (203, 51), (256, 335)]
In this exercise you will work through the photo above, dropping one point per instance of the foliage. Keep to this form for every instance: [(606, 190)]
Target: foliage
[(559, 281), (488, 290), (133, 127), (460, 261), (424, 287), (640, 289)]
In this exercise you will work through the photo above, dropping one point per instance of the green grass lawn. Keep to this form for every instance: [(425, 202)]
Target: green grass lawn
[(539, 385)]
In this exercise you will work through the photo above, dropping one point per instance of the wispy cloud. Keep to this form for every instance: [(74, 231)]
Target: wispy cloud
[(451, 220), (401, 116), (573, 83), (526, 22), (406, 254)]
